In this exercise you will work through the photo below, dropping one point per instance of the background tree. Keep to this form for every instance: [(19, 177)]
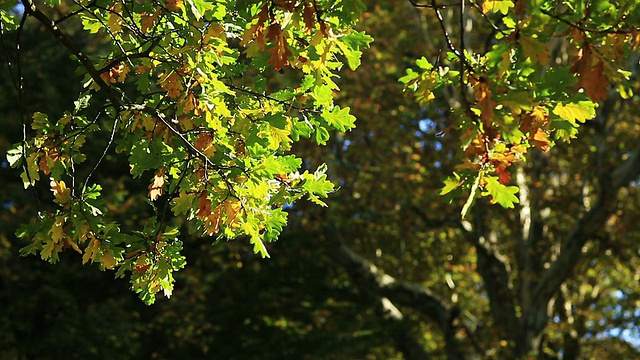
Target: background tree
[(509, 283)]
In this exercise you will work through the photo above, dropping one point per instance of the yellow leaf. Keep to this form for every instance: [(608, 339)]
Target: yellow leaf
[(31, 174), (61, 193), (232, 209), (115, 18), (107, 260), (74, 246), (278, 137), (91, 251), (572, 112), (501, 6), (47, 250), (213, 221), (539, 115), (57, 231)]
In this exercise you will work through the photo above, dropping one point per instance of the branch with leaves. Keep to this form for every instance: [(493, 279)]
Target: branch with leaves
[(522, 99), (189, 105)]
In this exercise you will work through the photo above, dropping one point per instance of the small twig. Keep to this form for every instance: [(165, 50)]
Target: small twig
[(107, 28), (282, 102), (74, 13), (447, 38), (610, 30), (119, 59), (104, 153), (432, 5), (463, 84), (493, 25)]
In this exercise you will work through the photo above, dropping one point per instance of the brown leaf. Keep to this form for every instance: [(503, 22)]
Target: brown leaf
[(213, 221), (204, 206), (172, 84), (538, 117), (280, 52), (591, 76), (175, 5), (484, 95), (308, 16), (503, 174), (204, 143), (148, 20), (539, 139)]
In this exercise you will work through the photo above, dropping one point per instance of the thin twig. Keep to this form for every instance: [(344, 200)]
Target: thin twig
[(610, 30), (432, 5), (74, 13), (104, 153)]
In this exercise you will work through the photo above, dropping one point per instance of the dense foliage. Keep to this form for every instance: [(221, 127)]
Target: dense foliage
[(184, 95), (206, 100)]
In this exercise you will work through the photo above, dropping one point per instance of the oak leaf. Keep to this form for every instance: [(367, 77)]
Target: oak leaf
[(572, 112), (308, 16), (61, 193), (175, 5), (148, 20), (484, 95), (591, 76), (535, 50), (204, 143), (501, 6), (539, 139), (107, 260), (155, 189), (280, 51), (204, 206), (172, 84), (213, 221)]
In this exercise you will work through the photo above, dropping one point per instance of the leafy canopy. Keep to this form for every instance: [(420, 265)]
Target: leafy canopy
[(183, 89), (514, 97), (190, 104)]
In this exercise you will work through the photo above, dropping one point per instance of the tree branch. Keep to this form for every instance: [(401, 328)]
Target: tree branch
[(585, 229), (494, 269), (373, 281), (31, 9)]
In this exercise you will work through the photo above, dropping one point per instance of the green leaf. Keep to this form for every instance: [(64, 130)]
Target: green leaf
[(183, 203), (500, 194), (564, 130), (340, 119), (317, 185), (424, 64), (321, 135), (40, 121), (350, 45)]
